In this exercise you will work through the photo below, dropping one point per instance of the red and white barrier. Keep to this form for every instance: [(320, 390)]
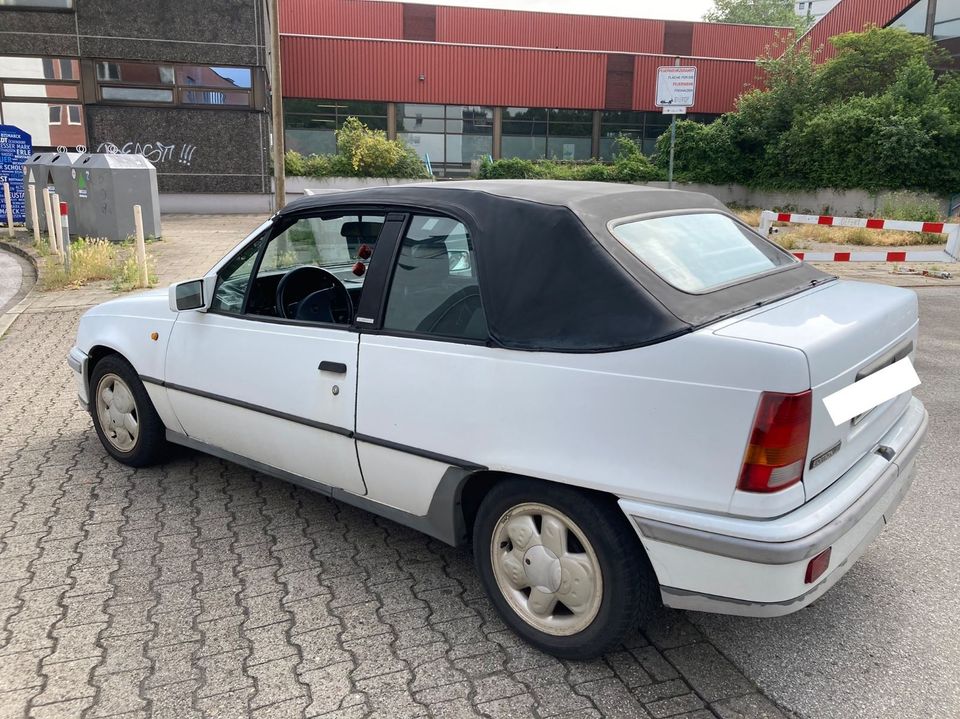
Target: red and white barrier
[(950, 254)]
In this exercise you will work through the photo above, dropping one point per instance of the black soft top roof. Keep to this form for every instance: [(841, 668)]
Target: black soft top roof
[(553, 278)]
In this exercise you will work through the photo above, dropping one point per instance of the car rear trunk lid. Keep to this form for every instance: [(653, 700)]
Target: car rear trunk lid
[(847, 330)]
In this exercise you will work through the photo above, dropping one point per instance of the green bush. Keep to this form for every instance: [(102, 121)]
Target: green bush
[(629, 165), (361, 152), (874, 117), (910, 207)]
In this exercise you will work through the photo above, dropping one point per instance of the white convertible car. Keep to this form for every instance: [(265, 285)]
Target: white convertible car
[(615, 393)]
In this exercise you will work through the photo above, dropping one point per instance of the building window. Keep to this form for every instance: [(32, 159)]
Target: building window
[(309, 125), (536, 133), (447, 137), (946, 24), (641, 127), (168, 84), (32, 95), (37, 4)]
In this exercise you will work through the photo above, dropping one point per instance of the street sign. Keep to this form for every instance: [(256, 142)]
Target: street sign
[(15, 149), (676, 87), (680, 110)]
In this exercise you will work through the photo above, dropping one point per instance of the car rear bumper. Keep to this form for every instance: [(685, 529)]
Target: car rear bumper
[(757, 567)]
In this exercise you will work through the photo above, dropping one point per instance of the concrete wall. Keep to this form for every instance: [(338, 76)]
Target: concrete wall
[(844, 203), (194, 150)]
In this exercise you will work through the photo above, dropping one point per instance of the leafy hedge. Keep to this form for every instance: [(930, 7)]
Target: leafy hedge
[(361, 152), (629, 165), (876, 116)]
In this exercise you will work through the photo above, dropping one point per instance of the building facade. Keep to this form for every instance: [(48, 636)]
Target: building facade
[(179, 81), (460, 84), (185, 82)]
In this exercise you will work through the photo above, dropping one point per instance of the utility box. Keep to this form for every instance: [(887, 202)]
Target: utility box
[(61, 169), (107, 187), (36, 171)]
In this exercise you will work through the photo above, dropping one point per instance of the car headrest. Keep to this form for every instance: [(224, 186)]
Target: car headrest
[(366, 231), (428, 249)]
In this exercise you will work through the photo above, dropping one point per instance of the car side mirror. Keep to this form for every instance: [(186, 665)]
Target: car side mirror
[(190, 295)]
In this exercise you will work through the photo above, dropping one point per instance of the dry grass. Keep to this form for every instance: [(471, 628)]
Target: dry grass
[(798, 237), (92, 260), (750, 215), (861, 236)]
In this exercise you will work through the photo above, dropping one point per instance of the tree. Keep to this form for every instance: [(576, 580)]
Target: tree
[(758, 12), (876, 116)]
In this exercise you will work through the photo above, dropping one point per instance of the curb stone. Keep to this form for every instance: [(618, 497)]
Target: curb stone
[(11, 315)]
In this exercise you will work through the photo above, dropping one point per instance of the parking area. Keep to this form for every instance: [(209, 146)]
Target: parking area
[(202, 589)]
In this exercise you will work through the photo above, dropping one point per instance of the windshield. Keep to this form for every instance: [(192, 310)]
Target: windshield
[(699, 252)]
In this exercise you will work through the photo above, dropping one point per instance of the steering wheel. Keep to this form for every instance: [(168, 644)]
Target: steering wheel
[(328, 297)]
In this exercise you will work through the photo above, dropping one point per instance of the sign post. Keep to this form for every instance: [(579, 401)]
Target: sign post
[(676, 91), (15, 149)]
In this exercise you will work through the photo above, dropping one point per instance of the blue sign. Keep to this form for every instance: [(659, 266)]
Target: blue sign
[(15, 149)]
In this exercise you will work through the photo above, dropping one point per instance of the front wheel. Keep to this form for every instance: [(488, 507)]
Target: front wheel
[(562, 567), (123, 415)]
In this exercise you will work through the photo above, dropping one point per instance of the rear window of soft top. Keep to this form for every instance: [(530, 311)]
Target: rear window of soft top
[(699, 251)]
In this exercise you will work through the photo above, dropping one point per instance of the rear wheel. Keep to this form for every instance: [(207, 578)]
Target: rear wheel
[(123, 415), (562, 567)]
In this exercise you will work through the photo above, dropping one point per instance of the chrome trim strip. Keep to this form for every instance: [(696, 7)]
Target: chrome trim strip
[(425, 453), (261, 409), (751, 550)]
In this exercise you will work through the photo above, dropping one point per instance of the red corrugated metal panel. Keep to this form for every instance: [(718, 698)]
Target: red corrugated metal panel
[(347, 18), (746, 42), (719, 82), (548, 30), (851, 16), (384, 70)]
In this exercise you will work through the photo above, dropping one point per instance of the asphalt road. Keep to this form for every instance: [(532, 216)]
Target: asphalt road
[(885, 641), (11, 278)]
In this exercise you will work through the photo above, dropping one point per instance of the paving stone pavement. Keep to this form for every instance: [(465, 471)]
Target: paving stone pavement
[(202, 589)]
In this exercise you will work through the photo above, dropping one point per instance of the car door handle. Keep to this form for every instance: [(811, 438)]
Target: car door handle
[(337, 367)]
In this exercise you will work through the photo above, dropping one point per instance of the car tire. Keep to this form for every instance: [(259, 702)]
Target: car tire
[(572, 583), (124, 417)]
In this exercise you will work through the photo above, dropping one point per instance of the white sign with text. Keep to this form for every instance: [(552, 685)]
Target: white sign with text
[(676, 86)]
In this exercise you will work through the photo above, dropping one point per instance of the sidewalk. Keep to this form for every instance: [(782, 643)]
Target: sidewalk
[(191, 245)]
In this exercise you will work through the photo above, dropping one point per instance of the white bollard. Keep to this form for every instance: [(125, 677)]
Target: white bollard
[(141, 245), (34, 215), (9, 208), (56, 205), (65, 235), (51, 230)]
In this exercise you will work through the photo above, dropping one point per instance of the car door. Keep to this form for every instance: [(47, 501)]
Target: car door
[(271, 389), (424, 366)]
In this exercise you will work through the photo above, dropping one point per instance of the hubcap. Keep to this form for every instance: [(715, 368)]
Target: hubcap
[(546, 569), (117, 413)]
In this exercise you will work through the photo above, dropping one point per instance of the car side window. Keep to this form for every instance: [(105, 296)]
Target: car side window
[(234, 277), (435, 290), (289, 282)]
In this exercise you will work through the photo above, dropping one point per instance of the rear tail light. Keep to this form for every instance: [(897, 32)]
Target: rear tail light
[(817, 566), (778, 443)]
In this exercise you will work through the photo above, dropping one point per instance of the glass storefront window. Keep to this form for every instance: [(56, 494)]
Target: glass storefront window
[(449, 136), (309, 125), (641, 127), (532, 133)]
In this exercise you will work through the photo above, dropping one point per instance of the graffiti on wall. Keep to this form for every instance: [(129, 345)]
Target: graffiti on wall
[(156, 152)]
